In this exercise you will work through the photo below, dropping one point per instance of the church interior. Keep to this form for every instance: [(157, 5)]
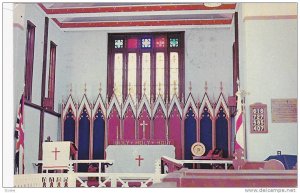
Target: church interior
[(137, 94)]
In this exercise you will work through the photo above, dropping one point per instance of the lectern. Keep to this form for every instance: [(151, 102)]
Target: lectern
[(57, 155)]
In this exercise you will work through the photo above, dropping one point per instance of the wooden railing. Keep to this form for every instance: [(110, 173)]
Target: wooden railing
[(61, 180), (89, 179), (169, 165)]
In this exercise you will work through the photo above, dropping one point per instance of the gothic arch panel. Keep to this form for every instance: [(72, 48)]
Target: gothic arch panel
[(98, 135), (113, 126), (206, 136), (222, 133), (190, 133), (129, 124), (159, 121), (83, 139), (69, 126), (175, 131)]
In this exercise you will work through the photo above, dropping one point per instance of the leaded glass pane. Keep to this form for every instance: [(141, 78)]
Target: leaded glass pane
[(160, 42), (173, 42), (119, 43), (132, 75), (132, 43), (146, 71), (174, 83), (146, 43), (118, 75), (160, 73)]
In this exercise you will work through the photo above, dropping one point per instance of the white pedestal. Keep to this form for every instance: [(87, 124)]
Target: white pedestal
[(136, 158)]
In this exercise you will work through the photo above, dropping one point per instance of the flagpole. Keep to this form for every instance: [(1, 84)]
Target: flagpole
[(243, 94)]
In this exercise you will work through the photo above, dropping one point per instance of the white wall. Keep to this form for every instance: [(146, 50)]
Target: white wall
[(31, 138), (208, 57), (269, 71), (33, 13), (52, 127), (84, 60), (19, 44)]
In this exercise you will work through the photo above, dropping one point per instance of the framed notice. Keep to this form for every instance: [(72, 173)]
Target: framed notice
[(258, 118), (284, 110)]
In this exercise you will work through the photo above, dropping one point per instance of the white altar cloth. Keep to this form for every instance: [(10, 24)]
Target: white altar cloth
[(136, 158)]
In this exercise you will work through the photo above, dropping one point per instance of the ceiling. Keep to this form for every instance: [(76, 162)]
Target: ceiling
[(113, 15)]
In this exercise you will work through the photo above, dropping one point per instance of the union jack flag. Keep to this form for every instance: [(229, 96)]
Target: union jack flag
[(19, 136)]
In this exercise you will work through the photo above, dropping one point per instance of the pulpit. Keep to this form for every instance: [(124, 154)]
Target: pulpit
[(57, 155)]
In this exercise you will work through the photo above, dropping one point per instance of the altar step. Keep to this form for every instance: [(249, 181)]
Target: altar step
[(232, 178)]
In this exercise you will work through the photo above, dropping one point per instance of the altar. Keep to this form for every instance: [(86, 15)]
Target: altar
[(137, 158)]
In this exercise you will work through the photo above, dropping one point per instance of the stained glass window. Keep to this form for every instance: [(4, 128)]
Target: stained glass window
[(132, 43), (118, 75), (119, 44), (174, 73), (146, 64), (146, 42), (160, 71), (160, 42), (132, 75), (173, 42)]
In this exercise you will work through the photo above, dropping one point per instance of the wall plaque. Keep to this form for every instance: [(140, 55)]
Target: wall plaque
[(284, 110), (258, 118)]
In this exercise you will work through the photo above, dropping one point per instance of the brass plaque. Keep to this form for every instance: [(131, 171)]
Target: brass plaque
[(284, 110)]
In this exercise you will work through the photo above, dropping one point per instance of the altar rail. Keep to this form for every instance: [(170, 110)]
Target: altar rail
[(64, 180), (70, 167), (172, 165)]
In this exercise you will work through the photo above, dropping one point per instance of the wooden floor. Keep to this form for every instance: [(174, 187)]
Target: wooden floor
[(232, 178)]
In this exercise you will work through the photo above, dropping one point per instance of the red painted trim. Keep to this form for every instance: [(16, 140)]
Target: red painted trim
[(57, 22), (182, 7), (144, 23), (43, 7)]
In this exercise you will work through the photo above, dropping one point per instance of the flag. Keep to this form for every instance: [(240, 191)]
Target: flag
[(239, 124), (19, 136)]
